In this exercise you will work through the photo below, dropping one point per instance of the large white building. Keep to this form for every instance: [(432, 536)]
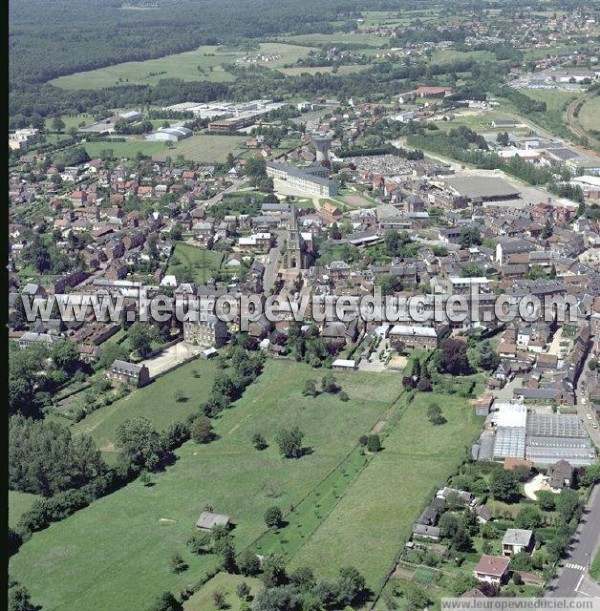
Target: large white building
[(170, 134)]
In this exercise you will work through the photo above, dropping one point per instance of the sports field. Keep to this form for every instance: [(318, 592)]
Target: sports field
[(116, 552), (203, 64)]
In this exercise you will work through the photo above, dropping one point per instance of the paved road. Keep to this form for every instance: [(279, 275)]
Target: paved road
[(272, 266), (572, 579), (584, 409)]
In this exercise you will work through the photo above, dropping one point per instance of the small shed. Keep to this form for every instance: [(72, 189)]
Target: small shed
[(207, 520)]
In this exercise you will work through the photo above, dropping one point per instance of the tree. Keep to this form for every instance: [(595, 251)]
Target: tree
[(449, 523), (248, 563), (19, 598), (65, 356), (351, 585), (484, 356), (141, 445), (424, 385), (18, 316), (200, 543), (290, 442), (166, 602), (58, 124), (280, 598), (389, 284), (140, 338), (344, 396), (201, 430), (452, 357), (177, 563), (310, 388), (471, 236), (274, 573), (567, 503), (416, 598), (273, 517), (461, 541), (529, 518), (504, 486), (373, 443), (329, 384), (304, 578), (219, 600), (110, 353), (434, 413), (243, 591), (259, 441), (546, 500), (463, 583)]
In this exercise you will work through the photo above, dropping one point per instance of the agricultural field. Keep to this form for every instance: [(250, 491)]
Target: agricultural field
[(205, 148), (199, 261), (18, 504), (206, 63), (357, 38), (155, 402), (371, 522), (128, 537)]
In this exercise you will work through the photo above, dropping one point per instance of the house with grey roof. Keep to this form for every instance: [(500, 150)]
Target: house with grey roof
[(517, 540)]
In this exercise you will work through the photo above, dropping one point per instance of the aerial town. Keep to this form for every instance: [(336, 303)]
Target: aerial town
[(283, 460)]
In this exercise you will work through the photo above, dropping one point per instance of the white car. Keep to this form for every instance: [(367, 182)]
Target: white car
[(595, 425), (589, 416)]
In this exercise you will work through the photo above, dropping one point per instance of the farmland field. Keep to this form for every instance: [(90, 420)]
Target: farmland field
[(200, 261), (210, 59), (205, 148), (116, 551), (372, 521)]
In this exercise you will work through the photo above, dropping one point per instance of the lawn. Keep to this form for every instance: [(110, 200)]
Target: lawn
[(199, 261), (115, 553), (155, 402), (373, 520), (595, 570), (203, 64), (18, 504)]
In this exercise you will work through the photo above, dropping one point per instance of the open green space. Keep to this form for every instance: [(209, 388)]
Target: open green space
[(225, 584), (127, 149), (357, 38), (200, 262), (341, 70), (117, 551), (18, 504), (595, 570), (155, 402), (205, 148), (373, 520), (206, 63), (589, 115)]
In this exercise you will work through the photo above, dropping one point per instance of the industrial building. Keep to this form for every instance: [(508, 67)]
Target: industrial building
[(170, 134), (482, 189), (536, 434), (310, 180)]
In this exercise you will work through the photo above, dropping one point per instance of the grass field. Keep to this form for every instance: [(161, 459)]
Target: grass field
[(372, 521), (116, 552), (595, 570), (205, 148), (589, 115), (226, 585), (127, 149), (200, 261), (210, 59), (18, 504), (155, 402)]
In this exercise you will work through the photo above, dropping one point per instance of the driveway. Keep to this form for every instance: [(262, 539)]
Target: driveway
[(171, 357)]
